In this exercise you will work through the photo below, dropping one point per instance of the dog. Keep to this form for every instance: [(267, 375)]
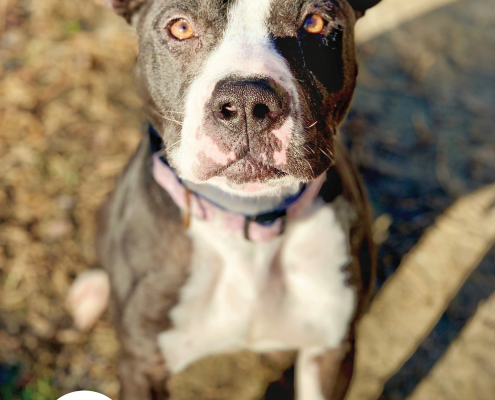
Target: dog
[(240, 223)]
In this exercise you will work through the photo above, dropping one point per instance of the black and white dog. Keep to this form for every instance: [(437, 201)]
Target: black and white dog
[(239, 224)]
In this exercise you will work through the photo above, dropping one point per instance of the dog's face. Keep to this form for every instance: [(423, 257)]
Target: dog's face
[(247, 94)]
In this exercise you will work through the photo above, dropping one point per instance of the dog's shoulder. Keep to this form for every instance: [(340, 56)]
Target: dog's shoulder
[(139, 226)]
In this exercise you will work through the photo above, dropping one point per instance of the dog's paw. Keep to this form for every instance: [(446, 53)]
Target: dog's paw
[(88, 298)]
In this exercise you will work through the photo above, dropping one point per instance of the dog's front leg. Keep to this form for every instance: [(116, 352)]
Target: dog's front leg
[(143, 371), (324, 374), (136, 381)]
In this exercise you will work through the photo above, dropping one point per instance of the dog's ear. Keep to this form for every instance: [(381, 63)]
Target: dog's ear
[(362, 5), (125, 8)]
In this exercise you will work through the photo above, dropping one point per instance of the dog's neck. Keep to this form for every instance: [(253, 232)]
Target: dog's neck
[(244, 205)]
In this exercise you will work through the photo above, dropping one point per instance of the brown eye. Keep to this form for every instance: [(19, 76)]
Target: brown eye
[(181, 30), (314, 23)]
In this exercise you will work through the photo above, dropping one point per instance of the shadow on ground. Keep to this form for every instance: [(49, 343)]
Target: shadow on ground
[(421, 128)]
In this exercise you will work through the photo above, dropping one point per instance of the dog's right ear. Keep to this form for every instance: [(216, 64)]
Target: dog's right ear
[(360, 6), (124, 8), (363, 5)]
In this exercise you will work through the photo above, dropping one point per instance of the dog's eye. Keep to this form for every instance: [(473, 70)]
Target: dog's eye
[(181, 30), (314, 24)]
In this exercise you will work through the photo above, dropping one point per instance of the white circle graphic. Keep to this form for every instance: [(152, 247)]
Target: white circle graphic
[(84, 395)]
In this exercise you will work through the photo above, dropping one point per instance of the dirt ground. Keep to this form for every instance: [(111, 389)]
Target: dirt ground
[(69, 119), (421, 129)]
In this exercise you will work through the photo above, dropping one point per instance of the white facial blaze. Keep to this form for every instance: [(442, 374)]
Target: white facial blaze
[(245, 50), (247, 20)]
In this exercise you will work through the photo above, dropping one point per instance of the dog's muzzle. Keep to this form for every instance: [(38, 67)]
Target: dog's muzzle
[(242, 135)]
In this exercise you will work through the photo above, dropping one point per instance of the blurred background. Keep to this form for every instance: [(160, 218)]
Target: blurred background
[(421, 129)]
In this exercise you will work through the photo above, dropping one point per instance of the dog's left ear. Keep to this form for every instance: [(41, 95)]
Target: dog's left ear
[(360, 6), (124, 8)]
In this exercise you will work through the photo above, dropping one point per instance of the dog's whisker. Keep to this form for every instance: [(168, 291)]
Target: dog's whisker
[(313, 124), (174, 144), (309, 164), (159, 113), (173, 120), (174, 112), (326, 154), (309, 148)]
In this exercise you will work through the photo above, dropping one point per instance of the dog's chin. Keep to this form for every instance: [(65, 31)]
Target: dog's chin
[(274, 186), (245, 178), (249, 170)]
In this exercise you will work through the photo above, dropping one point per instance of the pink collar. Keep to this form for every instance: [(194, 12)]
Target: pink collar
[(253, 228)]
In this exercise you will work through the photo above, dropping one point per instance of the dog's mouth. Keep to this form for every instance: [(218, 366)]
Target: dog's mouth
[(248, 170)]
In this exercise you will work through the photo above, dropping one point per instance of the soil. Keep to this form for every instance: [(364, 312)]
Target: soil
[(422, 130)]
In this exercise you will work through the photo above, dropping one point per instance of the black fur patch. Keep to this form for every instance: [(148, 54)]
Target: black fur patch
[(320, 55)]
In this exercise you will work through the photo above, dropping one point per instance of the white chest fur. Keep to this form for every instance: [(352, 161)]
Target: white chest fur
[(290, 293)]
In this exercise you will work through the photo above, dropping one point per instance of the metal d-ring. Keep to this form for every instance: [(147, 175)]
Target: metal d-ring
[(264, 218)]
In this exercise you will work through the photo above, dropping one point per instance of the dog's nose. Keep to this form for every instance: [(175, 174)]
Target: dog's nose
[(250, 106)]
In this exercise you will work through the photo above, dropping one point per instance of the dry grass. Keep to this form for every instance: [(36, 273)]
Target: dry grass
[(69, 118)]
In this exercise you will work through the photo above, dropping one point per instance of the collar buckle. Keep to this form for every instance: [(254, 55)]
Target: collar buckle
[(270, 217)]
